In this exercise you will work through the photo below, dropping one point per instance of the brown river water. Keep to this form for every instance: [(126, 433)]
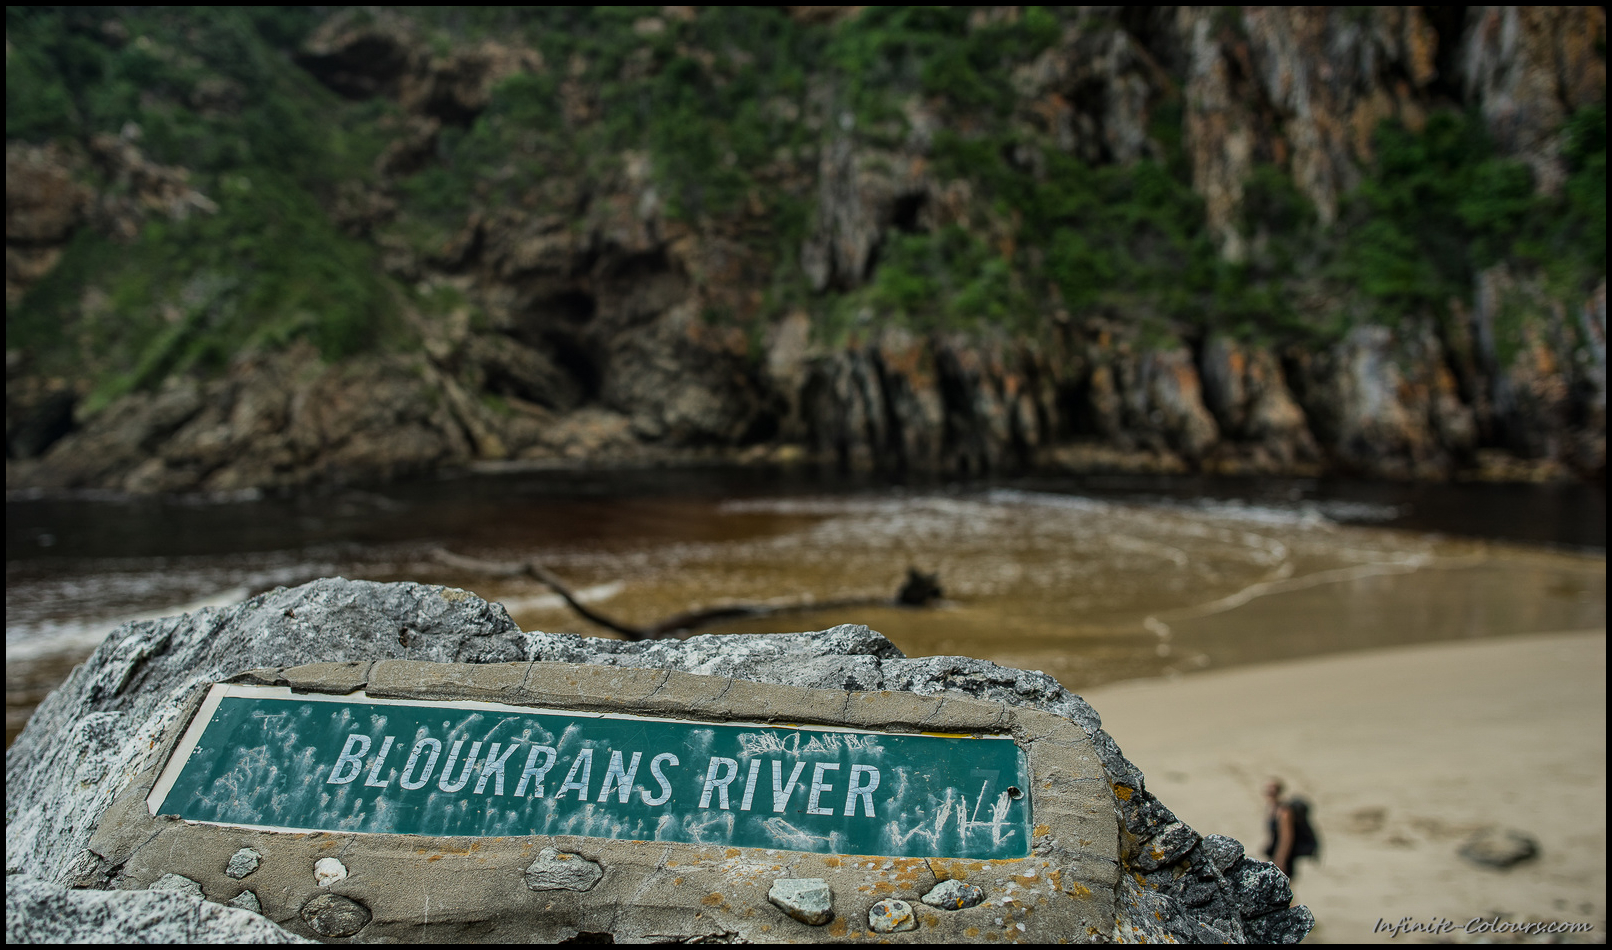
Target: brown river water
[(1092, 580)]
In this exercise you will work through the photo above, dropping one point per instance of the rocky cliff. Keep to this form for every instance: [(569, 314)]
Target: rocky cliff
[(247, 253)]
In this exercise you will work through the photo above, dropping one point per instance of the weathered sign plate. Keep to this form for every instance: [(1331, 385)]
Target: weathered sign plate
[(265, 758)]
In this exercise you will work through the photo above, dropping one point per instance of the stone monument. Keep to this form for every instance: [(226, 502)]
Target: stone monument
[(383, 762)]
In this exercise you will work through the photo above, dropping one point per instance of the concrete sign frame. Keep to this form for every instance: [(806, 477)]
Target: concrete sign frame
[(266, 758), (421, 888)]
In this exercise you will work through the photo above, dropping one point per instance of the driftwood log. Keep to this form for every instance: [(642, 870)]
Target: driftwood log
[(918, 590)]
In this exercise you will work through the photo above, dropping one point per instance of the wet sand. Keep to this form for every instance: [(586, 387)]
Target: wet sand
[(1403, 753)]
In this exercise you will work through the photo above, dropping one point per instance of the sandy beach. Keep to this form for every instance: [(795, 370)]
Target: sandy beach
[(1403, 753)]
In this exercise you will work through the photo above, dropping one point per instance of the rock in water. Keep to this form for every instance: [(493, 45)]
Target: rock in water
[(104, 726), (1499, 848)]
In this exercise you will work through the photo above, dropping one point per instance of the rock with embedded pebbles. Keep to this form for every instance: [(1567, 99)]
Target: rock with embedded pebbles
[(555, 870), (327, 871), (242, 863), (808, 900), (891, 916), (100, 728), (953, 895), (332, 915)]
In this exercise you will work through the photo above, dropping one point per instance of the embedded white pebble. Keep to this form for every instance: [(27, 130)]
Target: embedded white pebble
[(327, 871)]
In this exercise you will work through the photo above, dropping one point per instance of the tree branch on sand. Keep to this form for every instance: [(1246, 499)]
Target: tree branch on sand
[(918, 590)]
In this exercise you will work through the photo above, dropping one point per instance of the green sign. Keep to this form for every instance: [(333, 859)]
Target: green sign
[(263, 757)]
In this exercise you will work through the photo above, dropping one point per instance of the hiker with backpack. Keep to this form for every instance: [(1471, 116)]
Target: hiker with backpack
[(1292, 835)]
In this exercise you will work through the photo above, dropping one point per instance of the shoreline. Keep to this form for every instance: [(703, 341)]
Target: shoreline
[(1402, 752)]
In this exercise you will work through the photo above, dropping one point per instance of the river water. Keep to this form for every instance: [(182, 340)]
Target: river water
[(1092, 580)]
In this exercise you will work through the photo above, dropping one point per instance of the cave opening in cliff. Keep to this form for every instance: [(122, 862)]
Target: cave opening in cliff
[(574, 357), (904, 213), (1448, 23), (572, 307), (1077, 416)]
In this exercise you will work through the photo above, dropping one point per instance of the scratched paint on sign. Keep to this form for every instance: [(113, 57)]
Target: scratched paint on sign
[(264, 757)]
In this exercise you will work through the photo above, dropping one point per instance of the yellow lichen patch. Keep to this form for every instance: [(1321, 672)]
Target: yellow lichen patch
[(838, 927), (972, 932), (1077, 889), (434, 857), (712, 899), (677, 880), (883, 887), (1042, 830), (1124, 792), (832, 862), (731, 853), (454, 595)]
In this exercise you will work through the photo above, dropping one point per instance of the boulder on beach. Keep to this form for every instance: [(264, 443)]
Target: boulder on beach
[(106, 728)]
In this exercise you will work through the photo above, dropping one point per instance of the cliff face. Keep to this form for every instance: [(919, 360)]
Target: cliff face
[(1239, 240)]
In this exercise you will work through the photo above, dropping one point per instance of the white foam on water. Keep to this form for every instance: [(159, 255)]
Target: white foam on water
[(1017, 496)]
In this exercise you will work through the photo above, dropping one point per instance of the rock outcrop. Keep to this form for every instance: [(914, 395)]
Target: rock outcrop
[(90, 738), (597, 322)]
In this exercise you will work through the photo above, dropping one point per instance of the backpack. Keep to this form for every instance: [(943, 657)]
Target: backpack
[(1305, 843)]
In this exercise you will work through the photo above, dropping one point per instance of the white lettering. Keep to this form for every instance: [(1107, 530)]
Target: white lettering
[(781, 793), (858, 790), (375, 770), (819, 787), (533, 772), (584, 762), (623, 779), (665, 786), (414, 759), (719, 783), (351, 754), (750, 785), (493, 767), (447, 770)]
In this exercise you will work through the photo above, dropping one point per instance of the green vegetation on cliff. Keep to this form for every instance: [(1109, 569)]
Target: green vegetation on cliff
[(735, 110), (211, 91)]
